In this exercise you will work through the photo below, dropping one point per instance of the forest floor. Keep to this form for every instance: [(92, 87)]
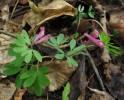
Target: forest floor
[(80, 42)]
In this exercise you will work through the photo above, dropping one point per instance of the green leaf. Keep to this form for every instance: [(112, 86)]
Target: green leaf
[(53, 41), (30, 80), (11, 70), (80, 8), (76, 34), (66, 91), (72, 62), (26, 37), (37, 89), (59, 50), (25, 52), (37, 55), (59, 56), (72, 44), (104, 37), (76, 51), (28, 57), (19, 49), (43, 70), (60, 39), (18, 82), (27, 74), (114, 50), (19, 40), (14, 67), (43, 81), (11, 52), (90, 12)]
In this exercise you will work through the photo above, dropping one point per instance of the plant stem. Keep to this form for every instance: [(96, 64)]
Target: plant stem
[(96, 71), (14, 8)]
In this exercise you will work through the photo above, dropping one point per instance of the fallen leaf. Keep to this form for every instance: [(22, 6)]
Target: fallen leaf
[(117, 21), (44, 12), (19, 93), (100, 95), (7, 91), (5, 13), (105, 56), (58, 74), (23, 1)]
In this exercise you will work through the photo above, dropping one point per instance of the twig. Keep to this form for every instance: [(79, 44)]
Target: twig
[(14, 9), (83, 81), (98, 24), (7, 33), (96, 71)]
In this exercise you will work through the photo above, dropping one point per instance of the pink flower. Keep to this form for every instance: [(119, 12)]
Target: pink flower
[(95, 33), (41, 37), (94, 40)]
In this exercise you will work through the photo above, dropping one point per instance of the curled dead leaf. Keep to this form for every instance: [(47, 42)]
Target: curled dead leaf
[(19, 93), (59, 73), (117, 21), (44, 12)]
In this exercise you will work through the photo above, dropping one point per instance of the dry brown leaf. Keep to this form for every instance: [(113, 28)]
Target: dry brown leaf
[(100, 95), (59, 73), (5, 13), (7, 91), (11, 26), (44, 12), (19, 93), (4, 45), (23, 1), (105, 57), (117, 21)]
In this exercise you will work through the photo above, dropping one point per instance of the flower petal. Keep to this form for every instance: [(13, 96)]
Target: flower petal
[(43, 39), (95, 33), (94, 40), (40, 34)]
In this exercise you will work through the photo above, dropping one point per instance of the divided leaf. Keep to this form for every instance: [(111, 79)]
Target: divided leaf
[(59, 56), (72, 44), (72, 62), (19, 49), (37, 89), (37, 55), (66, 91), (76, 51), (31, 79), (90, 12), (18, 82), (60, 39), (28, 57), (53, 42), (19, 41), (14, 67), (11, 70), (43, 70), (43, 81), (26, 37)]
